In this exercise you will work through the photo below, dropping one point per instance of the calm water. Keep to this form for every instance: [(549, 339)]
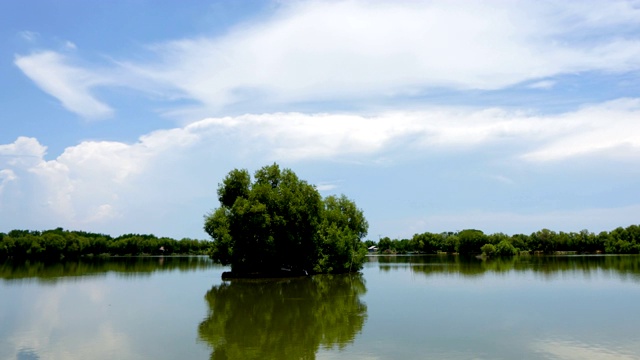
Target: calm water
[(429, 307)]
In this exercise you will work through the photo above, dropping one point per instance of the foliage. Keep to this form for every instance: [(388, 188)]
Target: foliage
[(504, 248), (384, 245), (470, 241), (343, 226), (545, 241), (279, 221), (59, 243), (488, 249)]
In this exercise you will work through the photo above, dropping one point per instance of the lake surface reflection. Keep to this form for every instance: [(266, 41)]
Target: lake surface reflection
[(283, 319), (400, 307)]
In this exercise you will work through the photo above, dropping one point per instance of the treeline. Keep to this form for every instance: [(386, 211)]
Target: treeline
[(59, 243), (474, 242)]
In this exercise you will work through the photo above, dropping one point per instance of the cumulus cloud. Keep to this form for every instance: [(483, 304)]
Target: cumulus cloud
[(70, 84), (314, 51), (6, 175), (169, 174), (24, 152)]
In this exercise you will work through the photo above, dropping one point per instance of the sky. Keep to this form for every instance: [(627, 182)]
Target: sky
[(504, 116)]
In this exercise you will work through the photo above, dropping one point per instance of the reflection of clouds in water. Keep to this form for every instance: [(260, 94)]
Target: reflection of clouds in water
[(27, 354), (39, 321), (46, 333), (339, 355), (576, 350)]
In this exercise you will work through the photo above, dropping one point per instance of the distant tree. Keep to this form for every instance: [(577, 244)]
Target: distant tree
[(520, 241), (429, 242), (505, 248), (279, 221), (543, 240), (488, 249), (470, 241), (384, 244), (450, 242)]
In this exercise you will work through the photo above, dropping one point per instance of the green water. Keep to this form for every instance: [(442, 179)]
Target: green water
[(404, 307)]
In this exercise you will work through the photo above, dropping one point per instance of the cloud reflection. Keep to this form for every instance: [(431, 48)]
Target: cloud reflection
[(577, 350)]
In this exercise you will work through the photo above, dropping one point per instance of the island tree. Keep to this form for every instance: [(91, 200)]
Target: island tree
[(278, 221)]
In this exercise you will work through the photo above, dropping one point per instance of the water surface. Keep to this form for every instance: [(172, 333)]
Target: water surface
[(399, 307)]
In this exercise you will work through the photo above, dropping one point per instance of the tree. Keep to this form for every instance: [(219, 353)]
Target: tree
[(384, 244), (488, 249), (279, 221), (505, 248), (470, 241), (342, 228)]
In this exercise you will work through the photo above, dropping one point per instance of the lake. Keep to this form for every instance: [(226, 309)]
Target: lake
[(399, 307)]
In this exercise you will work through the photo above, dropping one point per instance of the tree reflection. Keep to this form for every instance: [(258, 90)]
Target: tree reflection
[(52, 272), (622, 266), (283, 319)]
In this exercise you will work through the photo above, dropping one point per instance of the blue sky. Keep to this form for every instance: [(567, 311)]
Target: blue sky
[(123, 116)]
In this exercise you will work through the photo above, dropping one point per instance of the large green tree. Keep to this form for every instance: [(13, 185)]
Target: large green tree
[(280, 221)]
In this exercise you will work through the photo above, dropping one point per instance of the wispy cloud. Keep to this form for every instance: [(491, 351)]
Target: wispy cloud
[(357, 49), (68, 83), (327, 186), (362, 51), (29, 36), (544, 84), (610, 128)]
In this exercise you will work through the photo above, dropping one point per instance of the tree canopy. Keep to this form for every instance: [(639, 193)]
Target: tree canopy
[(278, 221)]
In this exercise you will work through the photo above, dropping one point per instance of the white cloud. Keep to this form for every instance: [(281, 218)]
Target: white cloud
[(611, 128), (544, 84), (6, 175), (327, 186), (70, 45), (314, 51), (169, 174), (70, 84), (361, 49), (24, 152)]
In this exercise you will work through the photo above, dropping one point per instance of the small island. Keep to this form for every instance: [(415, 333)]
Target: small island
[(280, 226)]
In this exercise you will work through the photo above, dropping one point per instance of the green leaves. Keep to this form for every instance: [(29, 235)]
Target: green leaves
[(280, 221)]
